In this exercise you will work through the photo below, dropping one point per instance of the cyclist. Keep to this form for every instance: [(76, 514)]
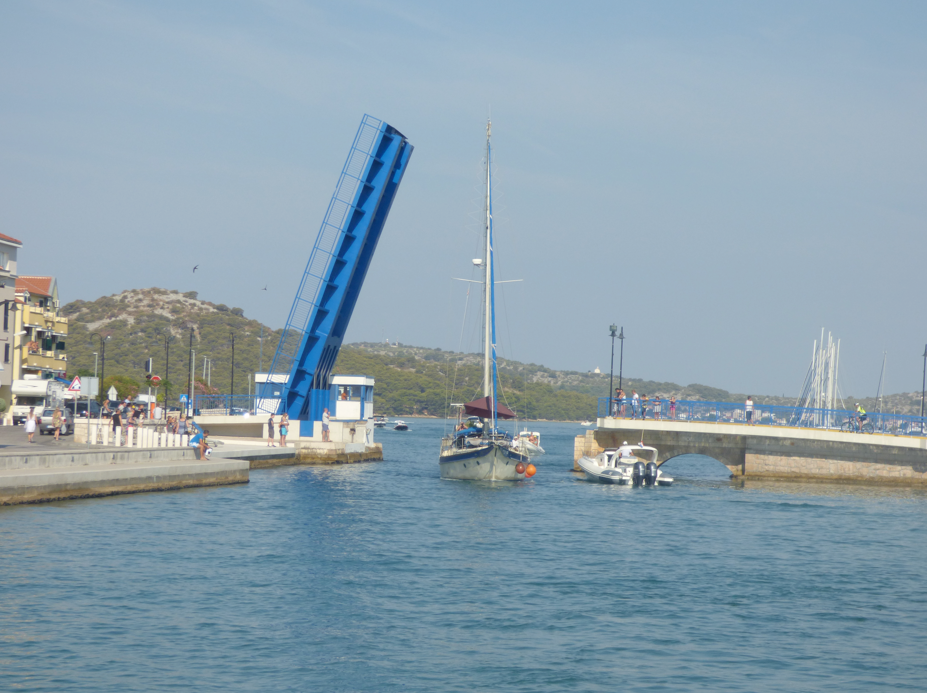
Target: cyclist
[(861, 417)]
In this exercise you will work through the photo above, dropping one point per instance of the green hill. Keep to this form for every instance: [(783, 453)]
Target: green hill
[(409, 380)]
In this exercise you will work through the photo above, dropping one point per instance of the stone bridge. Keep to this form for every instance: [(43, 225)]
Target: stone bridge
[(771, 451)]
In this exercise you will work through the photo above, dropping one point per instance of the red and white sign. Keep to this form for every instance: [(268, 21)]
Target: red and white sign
[(155, 380), (75, 384)]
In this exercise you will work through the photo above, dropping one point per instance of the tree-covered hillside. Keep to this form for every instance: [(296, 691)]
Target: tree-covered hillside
[(409, 380)]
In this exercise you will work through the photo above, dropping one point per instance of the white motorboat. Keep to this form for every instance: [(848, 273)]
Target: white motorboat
[(485, 452), (380, 421), (585, 423), (629, 465), (401, 425), (529, 442)]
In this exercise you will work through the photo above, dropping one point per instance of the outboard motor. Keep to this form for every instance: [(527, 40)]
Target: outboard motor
[(637, 475), (650, 475)]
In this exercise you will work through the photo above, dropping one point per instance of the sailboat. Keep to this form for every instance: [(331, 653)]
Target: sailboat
[(485, 453)]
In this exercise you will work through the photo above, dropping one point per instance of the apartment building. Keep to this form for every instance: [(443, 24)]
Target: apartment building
[(9, 248)]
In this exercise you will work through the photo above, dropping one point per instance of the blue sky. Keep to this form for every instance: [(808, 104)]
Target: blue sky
[(722, 179)]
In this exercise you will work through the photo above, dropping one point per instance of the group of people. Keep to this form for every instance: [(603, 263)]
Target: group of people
[(284, 430), (640, 405), (133, 414), (32, 422)]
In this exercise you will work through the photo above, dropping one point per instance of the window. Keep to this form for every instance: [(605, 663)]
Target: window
[(6, 317), (4, 259), (6, 353)]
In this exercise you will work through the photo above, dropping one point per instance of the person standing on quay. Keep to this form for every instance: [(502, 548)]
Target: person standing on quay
[(56, 422), (284, 428), (270, 432), (30, 424), (748, 409), (326, 420)]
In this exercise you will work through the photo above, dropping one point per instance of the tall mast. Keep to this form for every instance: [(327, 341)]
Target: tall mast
[(487, 278), (489, 287)]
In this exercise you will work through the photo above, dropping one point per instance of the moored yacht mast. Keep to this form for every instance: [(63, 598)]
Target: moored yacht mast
[(489, 328)]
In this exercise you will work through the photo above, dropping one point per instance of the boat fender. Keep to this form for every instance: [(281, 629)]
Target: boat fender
[(638, 474), (651, 474), (530, 470), (520, 468)]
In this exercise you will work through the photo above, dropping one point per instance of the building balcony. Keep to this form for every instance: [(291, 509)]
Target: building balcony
[(44, 361), (33, 316)]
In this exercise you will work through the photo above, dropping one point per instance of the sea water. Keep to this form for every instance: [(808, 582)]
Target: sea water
[(383, 577)]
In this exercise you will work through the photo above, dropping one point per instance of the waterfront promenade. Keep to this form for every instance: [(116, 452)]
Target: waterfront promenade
[(50, 470)]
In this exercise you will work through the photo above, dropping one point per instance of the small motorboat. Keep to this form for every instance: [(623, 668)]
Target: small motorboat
[(585, 423), (401, 426), (380, 421), (629, 465), (529, 442)]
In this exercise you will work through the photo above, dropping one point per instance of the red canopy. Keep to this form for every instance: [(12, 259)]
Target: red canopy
[(483, 408)]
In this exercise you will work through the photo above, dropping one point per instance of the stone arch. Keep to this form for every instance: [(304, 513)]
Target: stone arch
[(729, 450)]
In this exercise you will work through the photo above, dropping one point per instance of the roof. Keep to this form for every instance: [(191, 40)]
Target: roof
[(10, 239), (35, 285)]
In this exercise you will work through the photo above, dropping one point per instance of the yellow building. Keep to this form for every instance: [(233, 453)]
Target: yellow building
[(40, 337)]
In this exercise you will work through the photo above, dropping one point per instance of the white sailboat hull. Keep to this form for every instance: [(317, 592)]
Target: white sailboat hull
[(489, 462)]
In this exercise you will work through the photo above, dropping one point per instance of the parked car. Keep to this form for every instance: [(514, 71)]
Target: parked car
[(45, 424), (78, 409)]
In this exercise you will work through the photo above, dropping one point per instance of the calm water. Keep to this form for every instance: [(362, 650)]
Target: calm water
[(382, 577)]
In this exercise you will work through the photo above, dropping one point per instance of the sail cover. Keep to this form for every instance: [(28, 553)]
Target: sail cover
[(482, 407)]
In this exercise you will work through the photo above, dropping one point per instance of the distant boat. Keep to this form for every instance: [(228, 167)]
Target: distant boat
[(529, 442), (490, 454), (380, 421), (401, 425), (585, 423)]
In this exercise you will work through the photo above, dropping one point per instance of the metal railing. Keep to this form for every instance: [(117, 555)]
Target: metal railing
[(235, 405), (763, 414)]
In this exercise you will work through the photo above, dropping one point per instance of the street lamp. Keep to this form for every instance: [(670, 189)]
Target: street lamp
[(168, 338), (611, 369), (103, 341), (621, 359), (232, 388), (923, 384), (96, 357)]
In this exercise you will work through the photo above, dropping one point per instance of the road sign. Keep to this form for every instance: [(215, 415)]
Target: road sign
[(75, 384), (90, 387), (183, 399), (155, 380), (111, 393)]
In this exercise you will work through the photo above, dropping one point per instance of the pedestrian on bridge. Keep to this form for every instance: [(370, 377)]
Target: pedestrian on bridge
[(673, 407), (635, 404), (748, 409)]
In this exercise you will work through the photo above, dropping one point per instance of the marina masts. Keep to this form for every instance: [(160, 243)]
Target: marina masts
[(489, 328)]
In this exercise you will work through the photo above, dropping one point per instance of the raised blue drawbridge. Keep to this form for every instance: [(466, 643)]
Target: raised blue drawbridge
[(337, 267)]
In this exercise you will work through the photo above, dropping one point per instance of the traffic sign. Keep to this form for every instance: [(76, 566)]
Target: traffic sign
[(183, 399), (112, 394), (75, 384), (155, 380)]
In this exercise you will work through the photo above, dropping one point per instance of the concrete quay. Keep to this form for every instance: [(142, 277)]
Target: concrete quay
[(771, 452), (47, 483)]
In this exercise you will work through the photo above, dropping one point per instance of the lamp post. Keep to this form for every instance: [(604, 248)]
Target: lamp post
[(923, 386), (96, 357), (168, 338), (621, 358), (611, 369), (103, 341), (232, 388)]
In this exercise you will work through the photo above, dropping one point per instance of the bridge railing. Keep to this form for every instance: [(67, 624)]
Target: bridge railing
[(235, 405), (764, 414)]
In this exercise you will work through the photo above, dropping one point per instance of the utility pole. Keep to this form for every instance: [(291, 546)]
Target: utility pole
[(190, 374), (621, 358), (923, 388), (611, 369), (232, 388)]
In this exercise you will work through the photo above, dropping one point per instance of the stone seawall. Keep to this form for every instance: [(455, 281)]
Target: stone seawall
[(773, 452)]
